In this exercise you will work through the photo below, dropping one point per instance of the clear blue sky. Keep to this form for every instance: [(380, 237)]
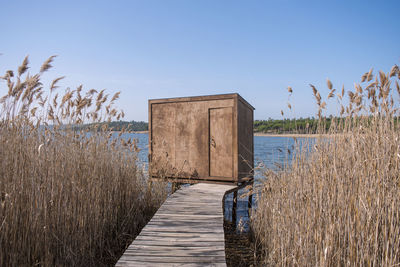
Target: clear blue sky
[(169, 48)]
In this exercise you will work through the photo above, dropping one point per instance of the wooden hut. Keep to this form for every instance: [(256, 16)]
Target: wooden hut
[(202, 138)]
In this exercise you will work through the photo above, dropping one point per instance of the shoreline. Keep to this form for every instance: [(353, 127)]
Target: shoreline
[(262, 134), (288, 135), (140, 132)]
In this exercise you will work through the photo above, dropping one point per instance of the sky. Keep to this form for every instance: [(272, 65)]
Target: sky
[(172, 48)]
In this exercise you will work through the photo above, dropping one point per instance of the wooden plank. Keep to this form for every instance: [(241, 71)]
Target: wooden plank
[(145, 264), (179, 243), (165, 260), (169, 248), (173, 254), (177, 238), (175, 221), (187, 230), (209, 235)]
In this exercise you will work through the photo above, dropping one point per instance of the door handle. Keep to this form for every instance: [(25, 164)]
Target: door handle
[(212, 142)]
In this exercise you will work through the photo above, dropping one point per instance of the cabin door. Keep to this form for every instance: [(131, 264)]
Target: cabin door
[(220, 142)]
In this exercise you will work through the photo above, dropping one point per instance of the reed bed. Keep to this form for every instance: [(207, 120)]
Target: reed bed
[(67, 197), (340, 204)]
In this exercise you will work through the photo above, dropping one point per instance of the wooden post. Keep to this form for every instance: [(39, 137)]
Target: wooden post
[(250, 204), (234, 208), (175, 186)]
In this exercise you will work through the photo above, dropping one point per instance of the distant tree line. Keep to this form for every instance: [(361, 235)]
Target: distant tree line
[(301, 125), (116, 126), (128, 125)]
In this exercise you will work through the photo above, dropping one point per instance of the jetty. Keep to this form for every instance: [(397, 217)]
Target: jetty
[(187, 230)]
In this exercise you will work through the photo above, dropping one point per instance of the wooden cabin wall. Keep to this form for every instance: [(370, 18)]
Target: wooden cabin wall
[(246, 140), (179, 132)]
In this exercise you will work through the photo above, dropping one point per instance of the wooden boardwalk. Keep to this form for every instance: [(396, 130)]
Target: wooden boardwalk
[(187, 230)]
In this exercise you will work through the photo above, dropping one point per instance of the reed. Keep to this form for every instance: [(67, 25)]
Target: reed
[(67, 197), (340, 204)]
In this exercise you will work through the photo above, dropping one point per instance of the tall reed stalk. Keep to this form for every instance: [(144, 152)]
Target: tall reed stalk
[(340, 204), (67, 197)]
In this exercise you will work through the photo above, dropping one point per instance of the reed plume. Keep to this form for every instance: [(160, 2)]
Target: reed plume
[(69, 196), (338, 203)]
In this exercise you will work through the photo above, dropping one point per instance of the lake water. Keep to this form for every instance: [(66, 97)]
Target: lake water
[(268, 151)]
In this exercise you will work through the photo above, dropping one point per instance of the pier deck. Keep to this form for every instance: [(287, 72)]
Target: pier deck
[(187, 230)]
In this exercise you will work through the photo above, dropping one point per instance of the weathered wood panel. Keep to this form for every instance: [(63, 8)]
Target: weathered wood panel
[(163, 124), (221, 145), (246, 144), (187, 230), (182, 149)]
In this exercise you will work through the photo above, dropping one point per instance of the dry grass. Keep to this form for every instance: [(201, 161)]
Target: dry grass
[(67, 198), (340, 205)]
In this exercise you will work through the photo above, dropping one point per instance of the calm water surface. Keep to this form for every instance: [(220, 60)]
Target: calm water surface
[(268, 151)]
